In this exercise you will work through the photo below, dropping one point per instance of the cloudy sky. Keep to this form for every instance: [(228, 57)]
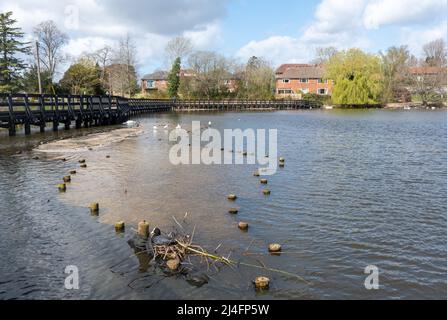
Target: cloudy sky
[(281, 30)]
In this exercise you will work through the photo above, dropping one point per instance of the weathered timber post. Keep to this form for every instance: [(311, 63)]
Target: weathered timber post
[(27, 128)]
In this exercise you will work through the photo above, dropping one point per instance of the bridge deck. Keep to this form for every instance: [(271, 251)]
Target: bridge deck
[(38, 110)]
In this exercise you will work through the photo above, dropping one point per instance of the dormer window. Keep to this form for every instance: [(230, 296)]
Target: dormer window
[(304, 80), (285, 80)]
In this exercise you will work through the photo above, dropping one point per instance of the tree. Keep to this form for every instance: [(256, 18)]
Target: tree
[(257, 80), (428, 84), (31, 84), (122, 76), (323, 55), (11, 47), (211, 71), (81, 77), (174, 79), (103, 57), (395, 66), (178, 47), (357, 77), (51, 40), (435, 53)]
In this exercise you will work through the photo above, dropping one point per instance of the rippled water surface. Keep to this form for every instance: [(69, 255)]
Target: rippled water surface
[(359, 188)]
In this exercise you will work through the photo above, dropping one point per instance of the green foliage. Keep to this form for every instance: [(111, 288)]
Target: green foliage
[(31, 83), (324, 99), (82, 78), (174, 79), (357, 77), (11, 47)]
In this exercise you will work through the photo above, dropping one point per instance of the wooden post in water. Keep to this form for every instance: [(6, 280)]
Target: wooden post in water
[(27, 128), (143, 229), (12, 129)]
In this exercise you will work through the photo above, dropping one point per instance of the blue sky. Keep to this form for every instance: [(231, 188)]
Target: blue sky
[(281, 31)]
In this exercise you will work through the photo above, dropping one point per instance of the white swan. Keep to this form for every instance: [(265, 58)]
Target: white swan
[(166, 127), (130, 123), (210, 123), (155, 128)]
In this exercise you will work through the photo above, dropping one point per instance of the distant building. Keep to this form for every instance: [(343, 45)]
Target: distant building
[(429, 77), (157, 81), (294, 80)]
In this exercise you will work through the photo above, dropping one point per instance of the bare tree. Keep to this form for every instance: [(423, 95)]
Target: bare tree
[(395, 69), (178, 47), (323, 55), (103, 58), (51, 40), (211, 71), (258, 80), (435, 53), (121, 74), (429, 83)]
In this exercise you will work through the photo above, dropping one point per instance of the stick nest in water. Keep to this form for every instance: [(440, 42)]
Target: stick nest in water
[(179, 246)]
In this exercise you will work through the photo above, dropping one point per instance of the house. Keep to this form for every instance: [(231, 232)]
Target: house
[(433, 78), (157, 81), (294, 80)]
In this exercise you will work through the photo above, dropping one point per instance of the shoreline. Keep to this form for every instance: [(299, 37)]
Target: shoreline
[(92, 141)]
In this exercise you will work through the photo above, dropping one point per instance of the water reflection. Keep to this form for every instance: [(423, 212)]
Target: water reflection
[(359, 188)]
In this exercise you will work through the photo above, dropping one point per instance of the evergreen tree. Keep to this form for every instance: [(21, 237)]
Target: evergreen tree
[(11, 65), (30, 82), (174, 79)]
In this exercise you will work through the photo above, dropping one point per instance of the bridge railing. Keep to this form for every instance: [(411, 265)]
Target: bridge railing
[(35, 109)]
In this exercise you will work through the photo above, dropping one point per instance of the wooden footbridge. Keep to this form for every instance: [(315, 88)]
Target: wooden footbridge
[(40, 110)]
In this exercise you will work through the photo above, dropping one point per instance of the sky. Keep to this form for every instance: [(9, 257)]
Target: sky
[(281, 31)]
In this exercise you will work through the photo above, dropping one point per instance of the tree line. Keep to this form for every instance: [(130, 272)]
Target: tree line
[(359, 77), (363, 78)]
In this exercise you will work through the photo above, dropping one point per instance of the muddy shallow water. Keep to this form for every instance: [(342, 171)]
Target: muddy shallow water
[(359, 188)]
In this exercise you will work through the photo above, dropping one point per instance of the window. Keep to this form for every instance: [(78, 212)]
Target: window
[(322, 81), (322, 91), (304, 80), (151, 84), (285, 80), (285, 91)]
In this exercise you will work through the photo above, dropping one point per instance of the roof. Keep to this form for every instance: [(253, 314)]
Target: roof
[(283, 68), (428, 70), (302, 72), (157, 75)]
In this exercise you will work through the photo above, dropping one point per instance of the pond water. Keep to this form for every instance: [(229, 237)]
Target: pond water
[(359, 188)]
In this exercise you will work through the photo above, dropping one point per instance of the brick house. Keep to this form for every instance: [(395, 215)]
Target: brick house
[(429, 78), (157, 81), (294, 80)]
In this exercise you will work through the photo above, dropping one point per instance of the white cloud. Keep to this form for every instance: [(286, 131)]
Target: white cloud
[(276, 49), (415, 39), (384, 12), (205, 36), (150, 23), (348, 23), (79, 46)]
